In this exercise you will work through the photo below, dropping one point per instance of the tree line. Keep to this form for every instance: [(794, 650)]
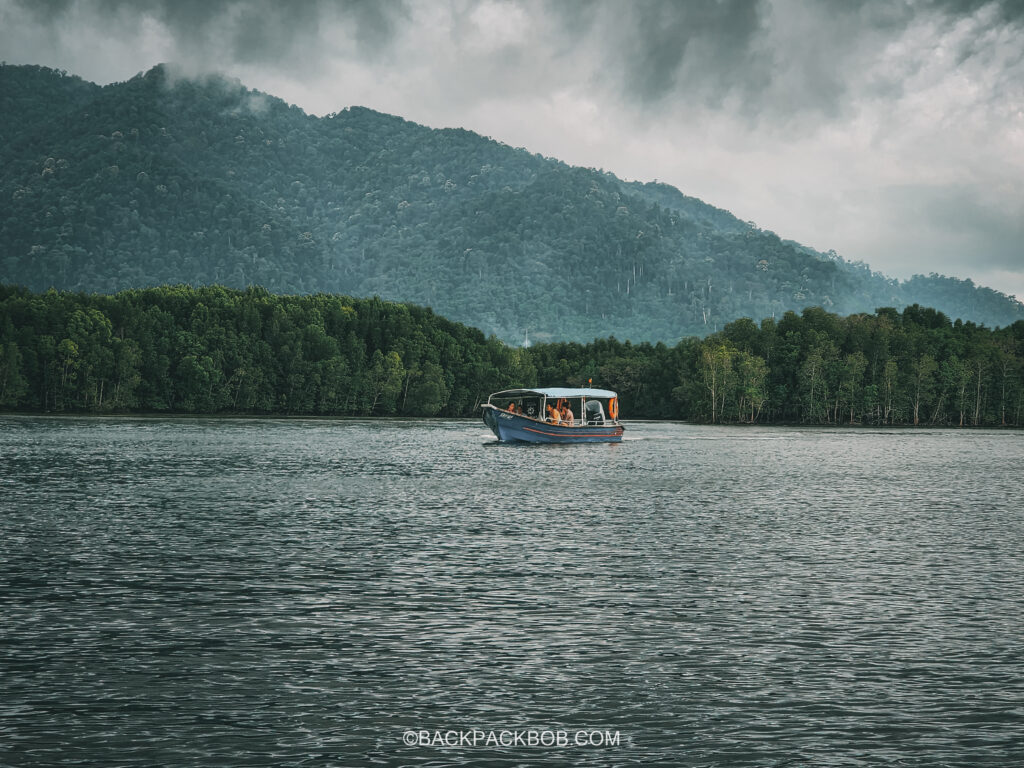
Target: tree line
[(914, 367), (217, 350)]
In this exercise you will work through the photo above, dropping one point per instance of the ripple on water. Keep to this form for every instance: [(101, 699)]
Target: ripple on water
[(260, 592)]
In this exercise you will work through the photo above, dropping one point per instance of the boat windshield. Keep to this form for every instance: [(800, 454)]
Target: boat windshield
[(521, 406)]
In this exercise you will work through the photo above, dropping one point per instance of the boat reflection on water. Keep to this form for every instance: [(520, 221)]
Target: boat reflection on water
[(554, 415)]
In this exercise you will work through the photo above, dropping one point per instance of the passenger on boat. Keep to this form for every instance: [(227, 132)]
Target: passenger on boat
[(511, 408), (567, 416), (553, 415)]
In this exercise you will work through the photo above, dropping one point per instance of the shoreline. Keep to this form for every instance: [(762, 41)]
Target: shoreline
[(178, 415)]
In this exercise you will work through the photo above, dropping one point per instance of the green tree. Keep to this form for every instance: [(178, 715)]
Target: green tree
[(852, 375), (13, 384), (716, 370), (127, 359), (923, 369), (890, 382), (753, 376), (429, 391), (957, 377), (817, 372), (68, 357), (385, 382)]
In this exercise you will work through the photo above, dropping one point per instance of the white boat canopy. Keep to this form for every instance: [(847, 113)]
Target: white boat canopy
[(554, 393)]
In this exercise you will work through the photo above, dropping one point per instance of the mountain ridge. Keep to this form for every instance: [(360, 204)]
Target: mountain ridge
[(161, 179)]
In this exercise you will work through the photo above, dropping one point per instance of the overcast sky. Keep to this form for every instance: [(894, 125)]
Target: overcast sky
[(892, 132)]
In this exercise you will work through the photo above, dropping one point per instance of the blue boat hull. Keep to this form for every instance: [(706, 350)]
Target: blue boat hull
[(510, 427)]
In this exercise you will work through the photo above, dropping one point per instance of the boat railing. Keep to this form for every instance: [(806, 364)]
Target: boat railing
[(575, 423)]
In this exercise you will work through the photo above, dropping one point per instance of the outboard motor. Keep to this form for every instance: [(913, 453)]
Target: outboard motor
[(594, 412)]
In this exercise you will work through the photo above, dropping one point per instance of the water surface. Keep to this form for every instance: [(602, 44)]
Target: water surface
[(244, 592)]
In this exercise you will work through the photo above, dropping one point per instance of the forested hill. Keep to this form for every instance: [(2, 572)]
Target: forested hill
[(160, 180)]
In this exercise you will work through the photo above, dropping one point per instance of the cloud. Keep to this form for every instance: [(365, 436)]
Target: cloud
[(760, 58), (209, 35), (707, 50), (948, 228)]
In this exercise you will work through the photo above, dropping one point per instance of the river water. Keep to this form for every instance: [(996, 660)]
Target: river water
[(245, 592)]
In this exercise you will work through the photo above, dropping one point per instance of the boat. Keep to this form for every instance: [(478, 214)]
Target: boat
[(522, 415)]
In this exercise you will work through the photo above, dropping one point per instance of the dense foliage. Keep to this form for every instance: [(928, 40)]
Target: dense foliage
[(214, 350), (887, 368), (161, 181), (217, 350)]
